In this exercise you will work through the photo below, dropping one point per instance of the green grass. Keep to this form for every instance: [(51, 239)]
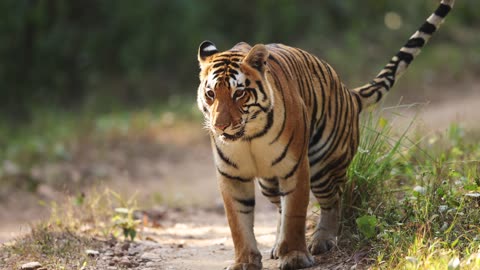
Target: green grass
[(413, 201)]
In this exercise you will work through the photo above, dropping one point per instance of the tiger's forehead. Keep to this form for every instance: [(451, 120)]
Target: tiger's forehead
[(228, 56), (225, 69)]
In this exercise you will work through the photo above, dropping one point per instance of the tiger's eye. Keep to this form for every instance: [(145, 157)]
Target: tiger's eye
[(210, 94), (238, 94)]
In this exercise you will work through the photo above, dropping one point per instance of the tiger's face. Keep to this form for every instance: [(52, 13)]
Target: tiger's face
[(232, 94)]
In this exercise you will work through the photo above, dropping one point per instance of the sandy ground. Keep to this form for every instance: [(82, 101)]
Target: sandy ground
[(175, 169)]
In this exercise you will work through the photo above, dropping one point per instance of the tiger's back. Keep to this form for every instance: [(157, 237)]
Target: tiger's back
[(331, 110)]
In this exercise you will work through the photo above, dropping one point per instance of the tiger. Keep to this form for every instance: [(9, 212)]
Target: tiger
[(281, 117)]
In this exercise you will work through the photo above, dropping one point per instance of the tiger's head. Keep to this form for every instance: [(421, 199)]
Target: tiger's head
[(234, 94)]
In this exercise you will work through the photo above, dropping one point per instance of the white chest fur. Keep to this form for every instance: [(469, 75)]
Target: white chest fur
[(256, 158)]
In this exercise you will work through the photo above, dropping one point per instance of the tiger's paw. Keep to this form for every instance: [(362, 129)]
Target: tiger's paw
[(245, 266), (325, 236), (296, 260), (251, 261), (321, 244), (274, 252)]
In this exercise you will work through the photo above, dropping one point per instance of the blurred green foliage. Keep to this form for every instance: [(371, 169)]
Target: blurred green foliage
[(71, 53)]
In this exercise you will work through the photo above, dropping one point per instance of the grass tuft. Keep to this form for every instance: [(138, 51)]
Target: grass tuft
[(81, 222), (53, 247), (414, 203)]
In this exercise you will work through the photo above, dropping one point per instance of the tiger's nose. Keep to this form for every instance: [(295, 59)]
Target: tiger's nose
[(221, 126)]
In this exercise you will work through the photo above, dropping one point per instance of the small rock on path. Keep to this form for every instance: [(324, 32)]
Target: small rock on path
[(31, 266)]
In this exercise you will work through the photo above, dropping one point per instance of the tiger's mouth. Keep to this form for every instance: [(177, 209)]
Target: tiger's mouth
[(233, 137), (231, 133)]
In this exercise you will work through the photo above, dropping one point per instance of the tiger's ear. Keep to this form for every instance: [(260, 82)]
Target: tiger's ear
[(257, 57), (206, 49), (242, 46)]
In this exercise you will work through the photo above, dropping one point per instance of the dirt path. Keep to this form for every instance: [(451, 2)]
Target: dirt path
[(205, 245), (200, 240)]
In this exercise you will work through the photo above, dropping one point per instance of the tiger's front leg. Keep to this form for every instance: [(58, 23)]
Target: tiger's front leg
[(239, 203), (291, 245)]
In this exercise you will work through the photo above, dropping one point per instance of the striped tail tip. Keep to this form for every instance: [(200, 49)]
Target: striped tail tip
[(373, 92)]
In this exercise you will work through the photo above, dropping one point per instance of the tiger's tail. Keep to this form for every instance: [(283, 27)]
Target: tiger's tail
[(373, 92)]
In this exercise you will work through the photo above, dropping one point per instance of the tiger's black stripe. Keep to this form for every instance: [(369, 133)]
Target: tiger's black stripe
[(233, 177), (265, 129), (415, 43), (443, 10), (295, 167), (284, 152), (282, 128), (272, 191), (260, 88), (225, 158), (246, 202)]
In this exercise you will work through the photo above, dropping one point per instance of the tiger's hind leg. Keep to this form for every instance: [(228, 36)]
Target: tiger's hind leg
[(327, 191)]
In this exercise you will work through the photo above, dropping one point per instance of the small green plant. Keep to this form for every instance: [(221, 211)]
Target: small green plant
[(123, 219), (367, 225)]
